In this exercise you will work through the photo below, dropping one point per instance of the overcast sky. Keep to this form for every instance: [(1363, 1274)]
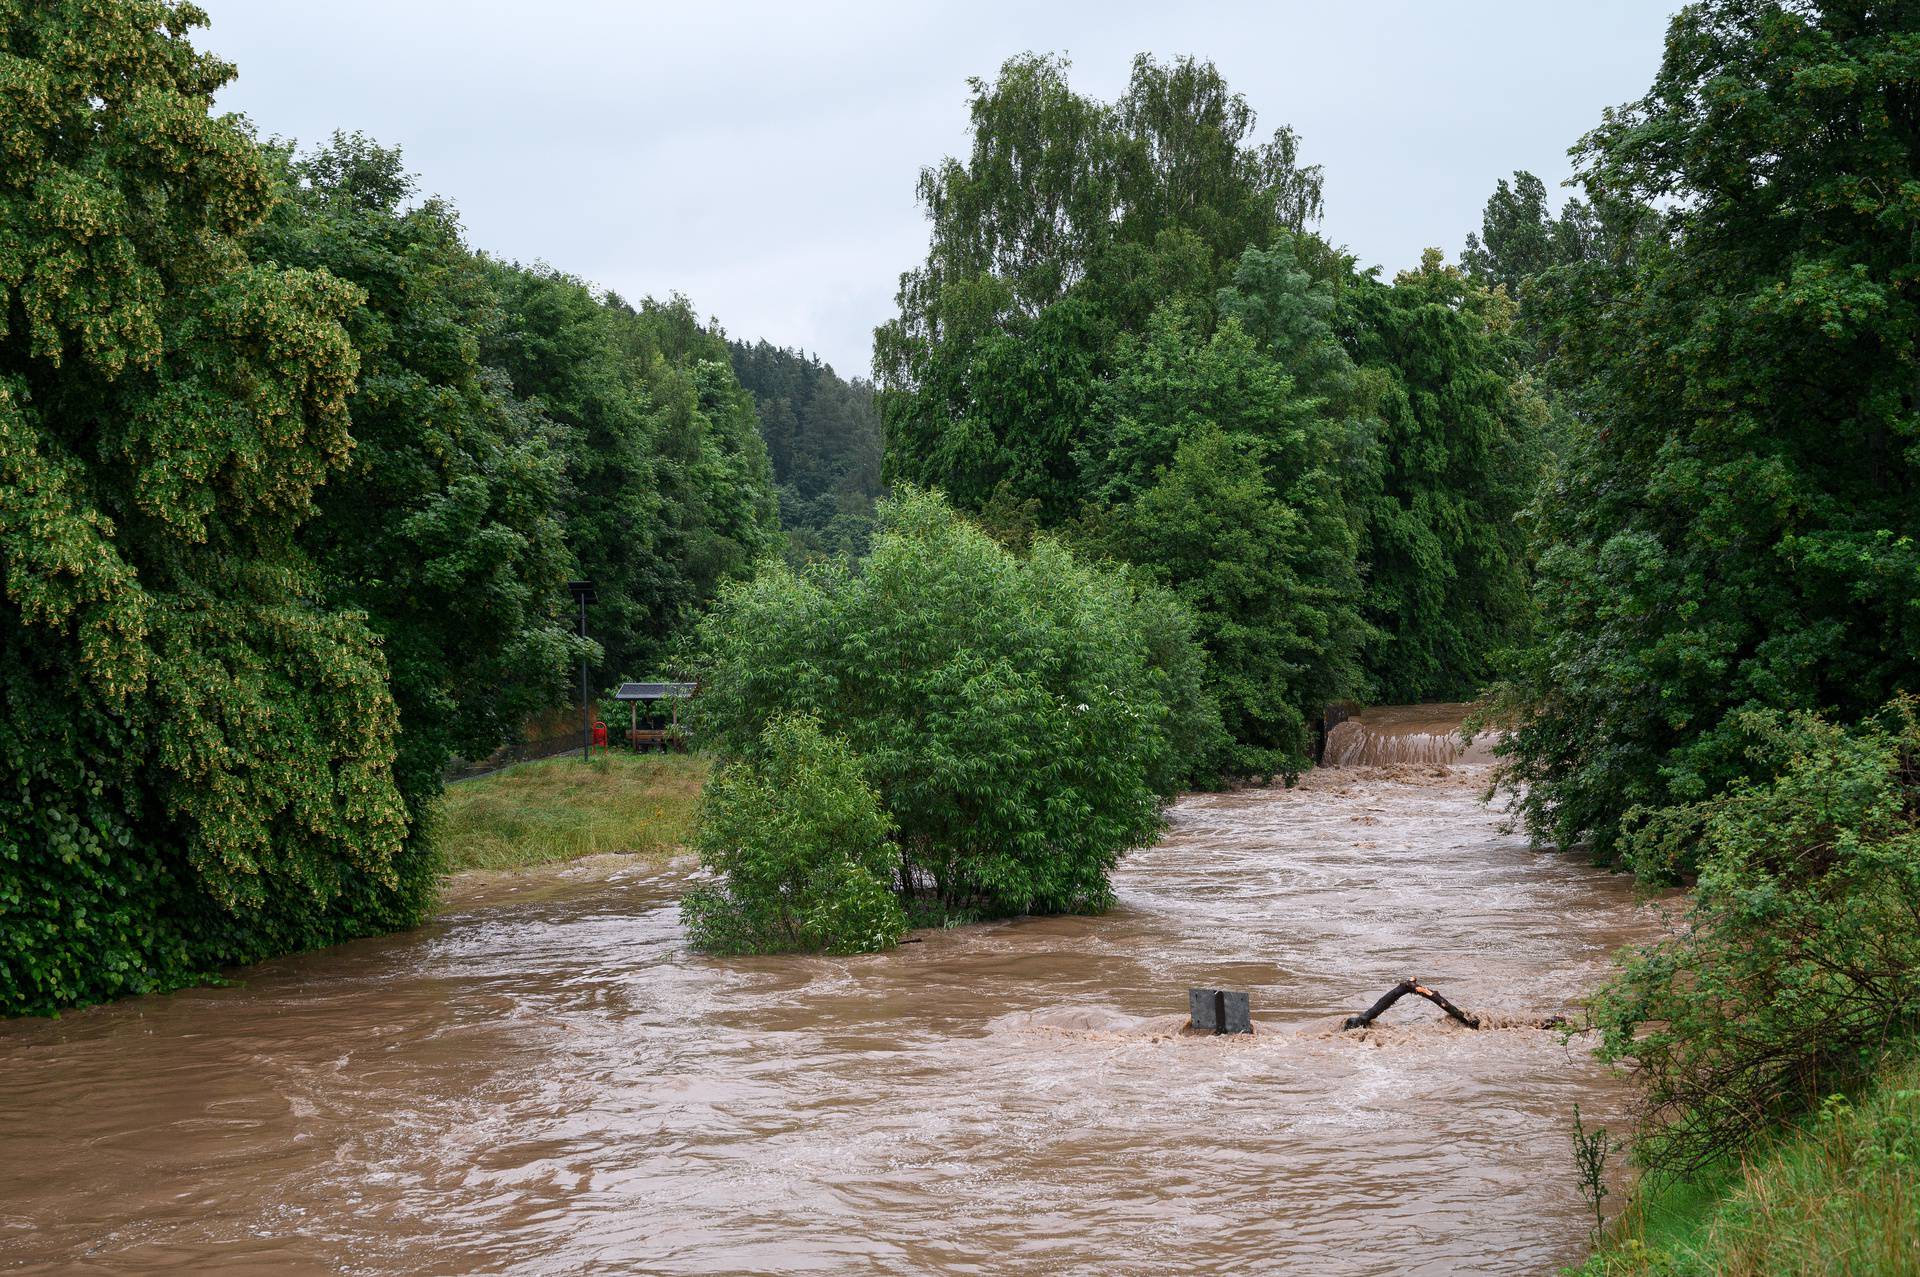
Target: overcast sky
[(761, 158)]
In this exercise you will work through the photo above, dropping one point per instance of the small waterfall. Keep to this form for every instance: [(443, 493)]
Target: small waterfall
[(1417, 735)]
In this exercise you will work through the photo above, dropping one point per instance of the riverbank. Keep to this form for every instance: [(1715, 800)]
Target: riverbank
[(1838, 1193), (560, 809)]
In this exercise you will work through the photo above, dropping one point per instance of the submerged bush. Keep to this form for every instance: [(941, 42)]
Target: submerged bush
[(1797, 961), (802, 844), (1020, 718)]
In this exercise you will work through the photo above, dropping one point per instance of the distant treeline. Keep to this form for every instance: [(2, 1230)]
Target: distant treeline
[(823, 437)]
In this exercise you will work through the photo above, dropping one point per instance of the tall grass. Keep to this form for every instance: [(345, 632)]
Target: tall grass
[(562, 808), (1837, 1194)]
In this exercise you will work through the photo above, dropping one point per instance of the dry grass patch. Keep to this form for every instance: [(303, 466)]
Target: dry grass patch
[(561, 808)]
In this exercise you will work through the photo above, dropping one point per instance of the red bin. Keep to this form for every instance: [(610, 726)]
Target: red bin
[(599, 733)]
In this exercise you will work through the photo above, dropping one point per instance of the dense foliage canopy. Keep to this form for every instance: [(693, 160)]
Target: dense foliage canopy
[(800, 842), (670, 492), (444, 525), (823, 438), (198, 738), (1020, 717), (1795, 966), (1119, 295), (291, 481), (1732, 526)]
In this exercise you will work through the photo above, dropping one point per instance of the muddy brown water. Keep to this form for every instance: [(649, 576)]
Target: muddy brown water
[(551, 1083)]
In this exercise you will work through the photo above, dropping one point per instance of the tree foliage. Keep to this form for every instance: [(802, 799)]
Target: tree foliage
[(1108, 283), (1733, 525), (801, 843), (823, 439), (444, 526), (290, 483), (1014, 714), (1220, 481), (1070, 222), (198, 742), (1795, 968), (672, 494), (1458, 458)]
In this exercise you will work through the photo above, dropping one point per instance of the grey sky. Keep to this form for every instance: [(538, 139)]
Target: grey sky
[(761, 158)]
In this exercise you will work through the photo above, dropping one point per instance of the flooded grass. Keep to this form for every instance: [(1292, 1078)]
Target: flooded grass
[(561, 809)]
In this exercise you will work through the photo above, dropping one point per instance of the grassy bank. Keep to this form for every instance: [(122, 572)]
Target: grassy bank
[(561, 808), (1838, 1194)]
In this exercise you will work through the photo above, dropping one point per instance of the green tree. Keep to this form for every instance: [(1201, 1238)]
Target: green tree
[(801, 843), (1013, 713), (823, 439), (444, 525), (1268, 573), (1458, 460), (1070, 222), (1733, 526), (1793, 971), (198, 745), (672, 494), (1528, 250)]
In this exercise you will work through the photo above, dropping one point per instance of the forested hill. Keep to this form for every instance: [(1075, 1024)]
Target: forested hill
[(823, 436)]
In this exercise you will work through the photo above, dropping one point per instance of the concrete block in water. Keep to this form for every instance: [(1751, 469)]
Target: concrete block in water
[(1219, 1011)]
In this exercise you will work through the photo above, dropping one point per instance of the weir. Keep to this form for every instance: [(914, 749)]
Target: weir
[(1393, 735)]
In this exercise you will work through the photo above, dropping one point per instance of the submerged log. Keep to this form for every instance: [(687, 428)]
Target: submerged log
[(1401, 990)]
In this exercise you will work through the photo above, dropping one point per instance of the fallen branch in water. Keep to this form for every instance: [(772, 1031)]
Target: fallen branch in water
[(1401, 990)]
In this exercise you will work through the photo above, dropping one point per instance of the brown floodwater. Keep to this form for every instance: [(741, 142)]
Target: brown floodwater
[(548, 1082)]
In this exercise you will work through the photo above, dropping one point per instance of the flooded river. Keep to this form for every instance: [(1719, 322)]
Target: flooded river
[(551, 1084)]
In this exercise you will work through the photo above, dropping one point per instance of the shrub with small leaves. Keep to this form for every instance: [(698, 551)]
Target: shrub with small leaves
[(1795, 968), (800, 843)]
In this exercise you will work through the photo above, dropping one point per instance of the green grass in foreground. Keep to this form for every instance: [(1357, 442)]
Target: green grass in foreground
[(1839, 1194), (562, 808)]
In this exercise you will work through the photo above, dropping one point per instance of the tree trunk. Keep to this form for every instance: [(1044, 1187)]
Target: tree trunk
[(1401, 990)]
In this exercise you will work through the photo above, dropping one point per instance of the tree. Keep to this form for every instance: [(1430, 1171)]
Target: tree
[(1267, 572), (1527, 250), (823, 439), (444, 526), (1734, 525), (801, 843), (672, 494), (1013, 714), (1459, 458), (1071, 221), (198, 743)]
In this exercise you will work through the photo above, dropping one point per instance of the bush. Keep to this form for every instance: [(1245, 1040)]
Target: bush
[(1020, 718), (1797, 961), (1837, 1193), (802, 843)]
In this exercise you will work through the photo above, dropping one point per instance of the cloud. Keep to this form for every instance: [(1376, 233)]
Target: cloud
[(761, 158)]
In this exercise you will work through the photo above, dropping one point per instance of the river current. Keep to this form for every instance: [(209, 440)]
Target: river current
[(545, 1080)]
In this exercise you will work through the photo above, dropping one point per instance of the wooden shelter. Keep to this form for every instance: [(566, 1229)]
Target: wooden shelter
[(651, 694)]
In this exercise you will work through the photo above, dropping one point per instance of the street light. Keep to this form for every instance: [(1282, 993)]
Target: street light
[(583, 594)]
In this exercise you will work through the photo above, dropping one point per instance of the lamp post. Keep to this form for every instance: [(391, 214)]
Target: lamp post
[(583, 594)]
